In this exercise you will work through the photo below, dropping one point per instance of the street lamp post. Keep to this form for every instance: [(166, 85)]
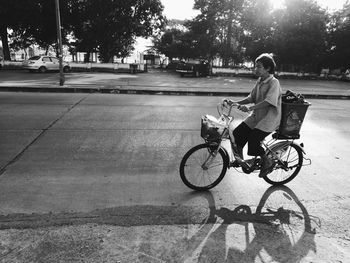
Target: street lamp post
[(59, 38)]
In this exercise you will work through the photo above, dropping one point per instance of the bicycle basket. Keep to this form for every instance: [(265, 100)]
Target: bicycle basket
[(211, 128)]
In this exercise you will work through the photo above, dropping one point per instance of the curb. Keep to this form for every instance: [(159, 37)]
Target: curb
[(151, 91)]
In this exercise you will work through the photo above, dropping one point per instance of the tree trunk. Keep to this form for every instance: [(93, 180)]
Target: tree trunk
[(5, 43), (105, 57), (87, 57), (228, 49), (57, 51)]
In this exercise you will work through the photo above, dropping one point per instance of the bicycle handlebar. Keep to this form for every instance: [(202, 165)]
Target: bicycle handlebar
[(221, 111)]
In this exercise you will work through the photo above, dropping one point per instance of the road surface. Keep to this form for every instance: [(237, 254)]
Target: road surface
[(94, 177)]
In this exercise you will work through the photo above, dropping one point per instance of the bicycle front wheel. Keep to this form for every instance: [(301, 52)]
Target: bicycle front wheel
[(202, 168), (287, 167)]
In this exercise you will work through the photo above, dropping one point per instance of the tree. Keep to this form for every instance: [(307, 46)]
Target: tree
[(169, 43), (11, 16), (111, 26), (191, 41), (219, 28), (44, 29), (238, 30), (209, 27), (338, 53), (258, 25), (231, 47), (30, 22), (21, 40), (300, 35), (106, 26), (200, 41)]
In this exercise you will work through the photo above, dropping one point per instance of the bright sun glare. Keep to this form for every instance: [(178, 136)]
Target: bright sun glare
[(329, 4), (277, 4)]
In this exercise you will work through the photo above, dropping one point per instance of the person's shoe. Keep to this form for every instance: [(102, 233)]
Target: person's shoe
[(240, 163), (266, 166)]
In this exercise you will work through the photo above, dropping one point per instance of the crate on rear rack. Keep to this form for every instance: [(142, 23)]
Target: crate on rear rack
[(293, 115)]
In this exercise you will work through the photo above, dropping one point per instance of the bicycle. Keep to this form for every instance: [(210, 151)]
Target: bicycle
[(205, 165)]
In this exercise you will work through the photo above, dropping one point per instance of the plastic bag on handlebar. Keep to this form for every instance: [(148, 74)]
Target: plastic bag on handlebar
[(212, 128), (214, 120)]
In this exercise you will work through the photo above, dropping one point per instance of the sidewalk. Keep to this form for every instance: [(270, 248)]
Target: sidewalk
[(161, 83)]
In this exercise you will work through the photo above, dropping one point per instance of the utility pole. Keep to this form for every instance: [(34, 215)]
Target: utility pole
[(59, 40)]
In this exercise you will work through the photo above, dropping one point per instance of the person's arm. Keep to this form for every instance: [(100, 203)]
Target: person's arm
[(259, 105), (247, 100), (244, 101)]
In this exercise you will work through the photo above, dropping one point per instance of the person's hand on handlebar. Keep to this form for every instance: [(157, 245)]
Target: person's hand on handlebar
[(227, 102), (243, 108)]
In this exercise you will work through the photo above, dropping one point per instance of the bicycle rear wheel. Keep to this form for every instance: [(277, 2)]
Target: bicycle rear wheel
[(201, 169), (289, 165)]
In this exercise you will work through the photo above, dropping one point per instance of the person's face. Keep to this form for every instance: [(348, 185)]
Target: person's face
[(260, 71)]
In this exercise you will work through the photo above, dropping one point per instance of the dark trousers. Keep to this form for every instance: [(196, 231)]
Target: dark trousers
[(254, 137)]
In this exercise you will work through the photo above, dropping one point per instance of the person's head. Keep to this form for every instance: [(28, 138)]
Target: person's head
[(265, 64)]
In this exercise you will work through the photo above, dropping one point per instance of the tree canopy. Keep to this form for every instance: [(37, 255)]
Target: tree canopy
[(106, 26), (338, 52), (110, 27), (301, 35)]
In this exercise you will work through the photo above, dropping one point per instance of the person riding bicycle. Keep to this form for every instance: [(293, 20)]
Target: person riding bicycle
[(265, 116)]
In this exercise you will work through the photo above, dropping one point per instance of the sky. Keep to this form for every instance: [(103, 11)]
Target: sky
[(332, 4), (182, 9), (179, 9)]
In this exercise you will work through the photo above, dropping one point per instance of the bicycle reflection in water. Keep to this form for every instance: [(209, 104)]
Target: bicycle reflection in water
[(279, 231)]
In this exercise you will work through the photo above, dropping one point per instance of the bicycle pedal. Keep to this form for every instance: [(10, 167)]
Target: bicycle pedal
[(235, 164), (246, 167)]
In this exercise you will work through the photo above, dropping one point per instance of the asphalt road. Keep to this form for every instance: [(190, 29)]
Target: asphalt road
[(93, 177)]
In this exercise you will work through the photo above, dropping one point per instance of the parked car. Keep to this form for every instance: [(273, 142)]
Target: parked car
[(172, 64), (194, 67), (45, 63)]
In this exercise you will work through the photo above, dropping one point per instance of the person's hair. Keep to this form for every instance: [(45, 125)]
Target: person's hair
[(267, 61)]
